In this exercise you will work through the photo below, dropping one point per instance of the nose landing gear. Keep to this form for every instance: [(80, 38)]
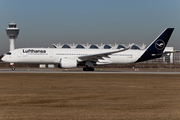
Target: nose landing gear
[(13, 67)]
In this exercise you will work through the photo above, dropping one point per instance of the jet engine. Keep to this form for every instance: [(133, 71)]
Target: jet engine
[(67, 63)]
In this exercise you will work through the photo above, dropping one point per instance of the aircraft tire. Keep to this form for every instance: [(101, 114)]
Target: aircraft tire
[(90, 69), (13, 68), (84, 69)]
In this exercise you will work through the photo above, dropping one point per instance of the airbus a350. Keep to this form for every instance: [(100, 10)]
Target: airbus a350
[(71, 58)]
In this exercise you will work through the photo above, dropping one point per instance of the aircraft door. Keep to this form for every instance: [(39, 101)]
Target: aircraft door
[(19, 54), (24, 54)]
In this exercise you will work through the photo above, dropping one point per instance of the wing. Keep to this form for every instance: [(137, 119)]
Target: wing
[(95, 57)]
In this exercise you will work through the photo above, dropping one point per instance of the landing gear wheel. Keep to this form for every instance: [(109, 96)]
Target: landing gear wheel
[(91, 69), (85, 69), (13, 68)]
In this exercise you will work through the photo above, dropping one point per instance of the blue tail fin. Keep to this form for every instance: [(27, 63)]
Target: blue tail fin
[(157, 46)]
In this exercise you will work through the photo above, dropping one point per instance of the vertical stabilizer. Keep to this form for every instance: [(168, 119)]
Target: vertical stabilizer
[(157, 46)]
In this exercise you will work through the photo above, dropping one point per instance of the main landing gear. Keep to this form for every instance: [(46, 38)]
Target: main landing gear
[(88, 68)]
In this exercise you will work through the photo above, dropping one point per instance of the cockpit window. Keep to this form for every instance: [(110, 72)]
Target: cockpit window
[(9, 53)]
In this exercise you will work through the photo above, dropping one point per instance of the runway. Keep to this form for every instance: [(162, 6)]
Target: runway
[(99, 71)]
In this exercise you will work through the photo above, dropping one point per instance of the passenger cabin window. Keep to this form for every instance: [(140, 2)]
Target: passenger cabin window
[(8, 53)]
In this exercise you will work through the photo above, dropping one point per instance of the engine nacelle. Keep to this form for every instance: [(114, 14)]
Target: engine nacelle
[(67, 63)]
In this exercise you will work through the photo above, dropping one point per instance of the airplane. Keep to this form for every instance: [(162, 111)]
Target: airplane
[(71, 58)]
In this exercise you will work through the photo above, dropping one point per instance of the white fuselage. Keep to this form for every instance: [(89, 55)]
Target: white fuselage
[(53, 55)]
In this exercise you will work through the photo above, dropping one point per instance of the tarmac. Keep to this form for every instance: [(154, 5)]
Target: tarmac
[(99, 71)]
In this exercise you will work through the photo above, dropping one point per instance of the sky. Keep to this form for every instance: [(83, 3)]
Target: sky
[(44, 22)]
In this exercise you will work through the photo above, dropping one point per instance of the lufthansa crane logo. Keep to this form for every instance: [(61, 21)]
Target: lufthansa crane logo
[(159, 44)]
